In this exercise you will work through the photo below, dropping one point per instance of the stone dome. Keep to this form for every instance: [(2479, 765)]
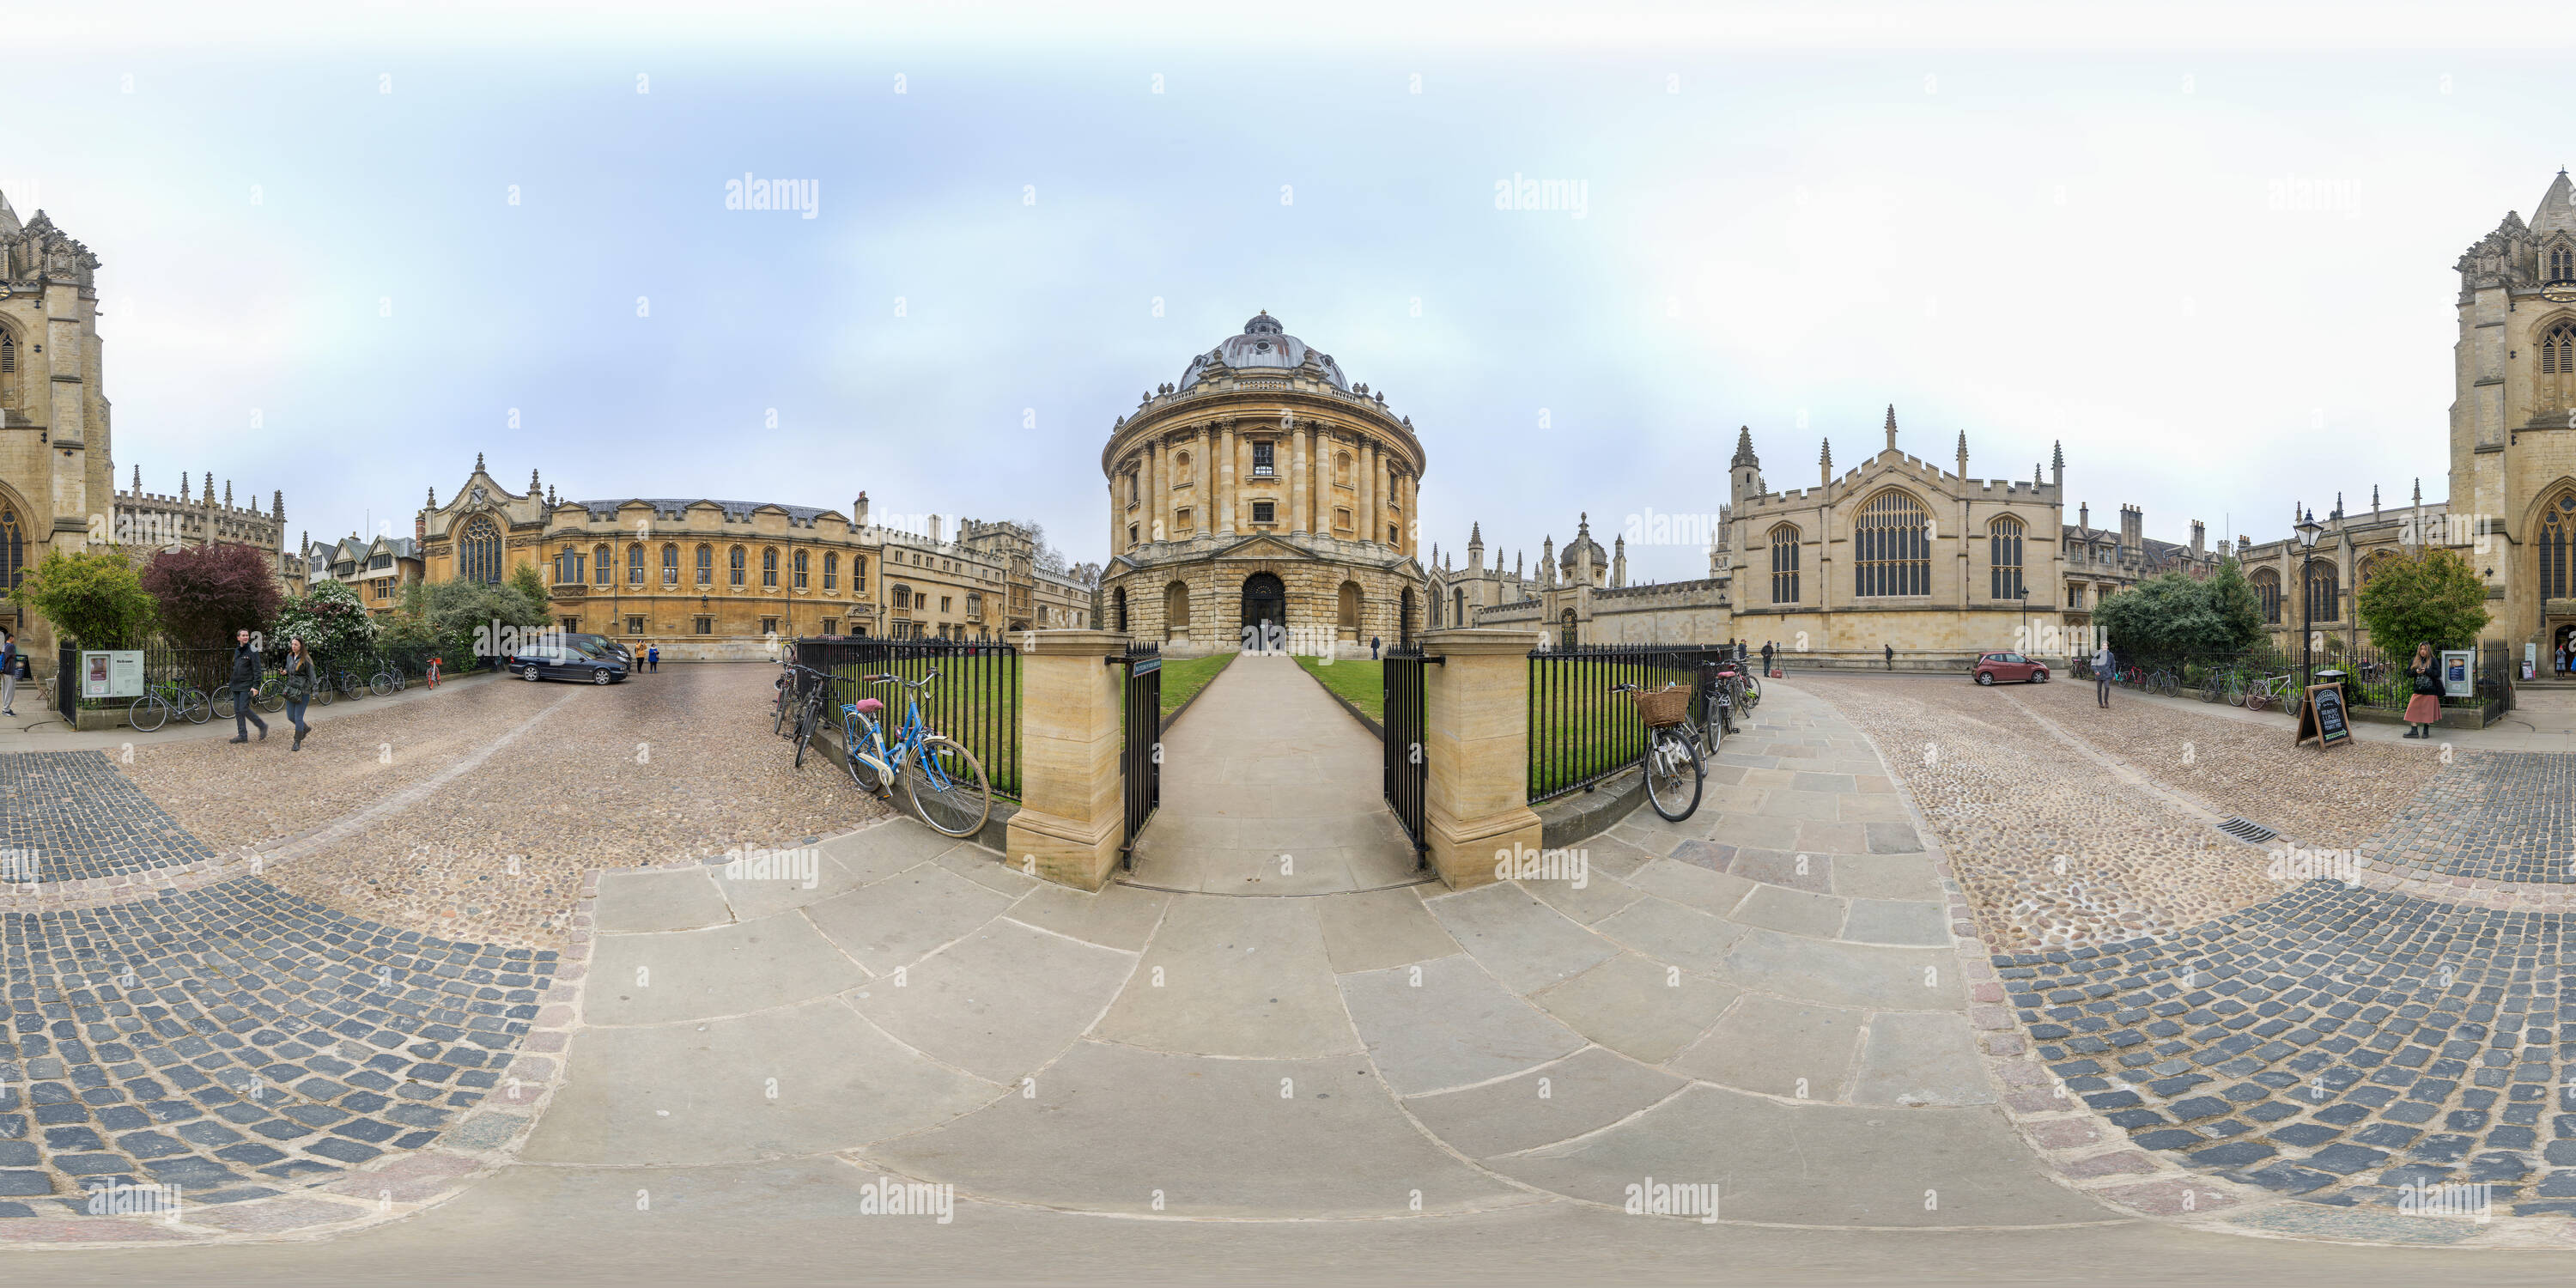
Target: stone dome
[(1265, 345)]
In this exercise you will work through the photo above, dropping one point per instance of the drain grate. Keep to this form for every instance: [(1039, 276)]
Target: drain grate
[(2248, 831)]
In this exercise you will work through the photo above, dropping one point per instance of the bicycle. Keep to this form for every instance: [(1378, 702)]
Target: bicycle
[(787, 695), (959, 798), (1669, 750), (387, 680), (809, 715), (2283, 689), (266, 695), (161, 699)]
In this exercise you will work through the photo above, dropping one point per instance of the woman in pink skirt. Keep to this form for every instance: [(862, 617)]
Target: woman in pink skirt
[(2425, 709)]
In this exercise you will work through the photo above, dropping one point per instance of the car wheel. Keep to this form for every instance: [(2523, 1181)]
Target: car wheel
[(2039, 677), (530, 674), (599, 676), (1986, 678)]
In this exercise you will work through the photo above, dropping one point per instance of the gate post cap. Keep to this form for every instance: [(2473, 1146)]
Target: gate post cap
[(1470, 641), (1069, 643)]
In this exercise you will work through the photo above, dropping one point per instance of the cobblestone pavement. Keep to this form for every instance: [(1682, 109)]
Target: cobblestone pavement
[(2344, 1045), (666, 767), (70, 815), (238, 1041)]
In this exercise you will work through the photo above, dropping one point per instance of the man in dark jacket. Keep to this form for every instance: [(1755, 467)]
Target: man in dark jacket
[(1766, 657), (245, 678)]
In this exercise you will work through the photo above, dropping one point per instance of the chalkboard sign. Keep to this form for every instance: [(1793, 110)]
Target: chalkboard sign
[(2322, 717)]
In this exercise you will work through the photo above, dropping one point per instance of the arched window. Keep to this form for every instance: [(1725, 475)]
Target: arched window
[(2562, 264), (2558, 349), (1180, 468), (567, 566), (2556, 540), (635, 563), (800, 570), (1118, 603), (1349, 616), (1457, 608), (734, 566), (2267, 588), (670, 564), (478, 552), (831, 572), (2372, 567), (2325, 602), (1176, 606), (2003, 543), (769, 567), (603, 565), (13, 552), (1892, 546), (1784, 564), (8, 351), (858, 574)]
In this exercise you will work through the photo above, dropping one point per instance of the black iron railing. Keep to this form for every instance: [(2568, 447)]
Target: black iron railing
[(1140, 755), (1407, 768), (1579, 731), (975, 700)]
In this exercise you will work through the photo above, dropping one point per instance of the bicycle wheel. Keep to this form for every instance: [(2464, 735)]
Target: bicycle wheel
[(322, 694), (2235, 690), (805, 722), (2290, 702), (1673, 776), (221, 702), (948, 788), (193, 706), (860, 732), (381, 683), (2209, 690), (778, 725), (1752, 693), (272, 698), (148, 713)]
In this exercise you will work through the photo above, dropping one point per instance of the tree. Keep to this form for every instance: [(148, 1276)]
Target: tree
[(2232, 597), (407, 623), (527, 581), (2435, 598), (93, 597), (2165, 619), (331, 622), (205, 593), (465, 616)]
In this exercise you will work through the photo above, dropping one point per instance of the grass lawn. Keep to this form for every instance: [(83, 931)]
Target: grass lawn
[(1362, 684)]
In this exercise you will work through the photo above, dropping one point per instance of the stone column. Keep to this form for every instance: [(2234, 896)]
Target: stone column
[(1364, 481), (1203, 483), (1476, 747), (1158, 491), (1300, 501), (1225, 479), (1322, 471), (1385, 481), (1072, 815)]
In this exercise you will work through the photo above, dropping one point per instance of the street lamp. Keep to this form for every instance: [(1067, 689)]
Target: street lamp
[(2308, 529)]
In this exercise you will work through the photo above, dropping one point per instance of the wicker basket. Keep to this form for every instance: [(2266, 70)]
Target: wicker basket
[(1664, 707)]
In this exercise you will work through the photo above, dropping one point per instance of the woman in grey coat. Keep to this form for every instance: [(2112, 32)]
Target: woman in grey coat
[(299, 680)]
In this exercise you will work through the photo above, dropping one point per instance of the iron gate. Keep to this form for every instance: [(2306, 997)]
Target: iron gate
[(67, 685), (1141, 756), (1408, 773)]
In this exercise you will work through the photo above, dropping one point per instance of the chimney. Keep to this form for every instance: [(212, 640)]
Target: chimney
[(2198, 536), (2133, 525), (859, 511), (934, 529), (2084, 515)]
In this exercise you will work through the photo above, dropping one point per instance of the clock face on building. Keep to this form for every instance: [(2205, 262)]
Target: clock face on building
[(2558, 292)]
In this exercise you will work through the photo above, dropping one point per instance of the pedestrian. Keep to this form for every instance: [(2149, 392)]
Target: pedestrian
[(2424, 710), (298, 682), (2104, 667), (1766, 658), (245, 678), (8, 672), (1891, 657), (652, 657), (1373, 648)]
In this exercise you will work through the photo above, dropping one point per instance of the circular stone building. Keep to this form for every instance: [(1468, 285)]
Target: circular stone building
[(1264, 487)]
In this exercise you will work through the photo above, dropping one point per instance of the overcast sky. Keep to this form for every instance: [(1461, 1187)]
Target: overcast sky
[(2211, 256)]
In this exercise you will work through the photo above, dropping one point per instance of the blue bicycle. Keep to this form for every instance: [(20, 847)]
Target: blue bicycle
[(946, 781)]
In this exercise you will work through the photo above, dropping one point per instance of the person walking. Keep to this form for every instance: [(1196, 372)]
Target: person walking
[(1373, 648), (8, 672), (1766, 659), (2104, 666), (1891, 657), (245, 678), (2424, 710), (298, 682)]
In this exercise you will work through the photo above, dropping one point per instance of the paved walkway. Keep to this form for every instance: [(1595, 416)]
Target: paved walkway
[(1270, 788)]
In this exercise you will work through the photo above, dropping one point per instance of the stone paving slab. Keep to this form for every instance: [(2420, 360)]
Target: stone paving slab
[(1001, 1002), (724, 970), (1235, 977), (1582, 1093), (1446, 1023)]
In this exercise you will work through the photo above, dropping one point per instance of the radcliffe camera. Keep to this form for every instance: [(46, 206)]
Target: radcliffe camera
[(1530, 643)]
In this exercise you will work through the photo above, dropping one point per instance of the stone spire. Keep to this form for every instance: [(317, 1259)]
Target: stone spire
[(1963, 453), (138, 480), (1825, 463), (478, 462), (533, 489), (183, 488), (1618, 561), (277, 504), (2374, 498), (1744, 457), (2557, 207), (2419, 491), (228, 494), (1891, 427), (8, 218), (209, 494), (433, 498), (2057, 464), (2034, 476)]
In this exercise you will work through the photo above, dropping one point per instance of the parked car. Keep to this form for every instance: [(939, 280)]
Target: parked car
[(2010, 666), (621, 652), (566, 662)]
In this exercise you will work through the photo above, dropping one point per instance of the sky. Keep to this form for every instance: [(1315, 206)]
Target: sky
[(345, 249)]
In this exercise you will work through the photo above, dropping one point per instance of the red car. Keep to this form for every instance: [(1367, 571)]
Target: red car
[(2010, 666)]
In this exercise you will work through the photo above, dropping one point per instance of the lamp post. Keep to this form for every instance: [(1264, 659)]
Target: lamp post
[(2025, 621), (2309, 529)]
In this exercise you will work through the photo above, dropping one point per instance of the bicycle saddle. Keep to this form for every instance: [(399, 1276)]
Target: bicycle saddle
[(866, 706)]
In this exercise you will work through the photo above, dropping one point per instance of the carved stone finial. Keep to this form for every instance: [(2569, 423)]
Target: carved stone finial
[(478, 462)]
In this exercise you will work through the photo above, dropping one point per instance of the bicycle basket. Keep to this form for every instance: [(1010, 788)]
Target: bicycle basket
[(1663, 708)]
